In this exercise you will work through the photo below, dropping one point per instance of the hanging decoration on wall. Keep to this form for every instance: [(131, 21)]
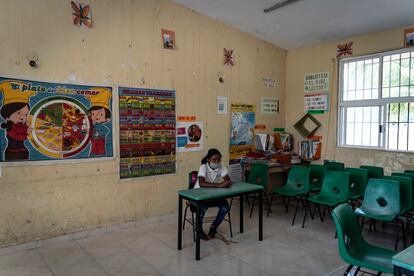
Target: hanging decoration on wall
[(168, 39), (344, 50), (243, 120), (81, 14), (409, 37), (52, 121), (228, 57), (307, 125), (190, 136), (146, 132)]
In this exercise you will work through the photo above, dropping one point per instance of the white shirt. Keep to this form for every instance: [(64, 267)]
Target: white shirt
[(210, 175)]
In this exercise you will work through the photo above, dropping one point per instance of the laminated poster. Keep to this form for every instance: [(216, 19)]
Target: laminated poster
[(146, 132), (243, 120), (190, 136)]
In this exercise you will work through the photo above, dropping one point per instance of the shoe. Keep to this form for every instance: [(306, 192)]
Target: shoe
[(212, 233), (203, 236)]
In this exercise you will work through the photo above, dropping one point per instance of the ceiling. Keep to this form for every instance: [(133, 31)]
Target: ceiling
[(306, 22)]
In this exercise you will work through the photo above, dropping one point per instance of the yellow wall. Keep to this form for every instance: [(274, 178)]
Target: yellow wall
[(322, 58), (123, 48)]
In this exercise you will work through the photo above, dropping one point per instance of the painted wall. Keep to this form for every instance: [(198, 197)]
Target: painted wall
[(322, 58), (123, 48)]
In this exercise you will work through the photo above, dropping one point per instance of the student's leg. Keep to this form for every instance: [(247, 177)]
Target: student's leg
[(224, 208)]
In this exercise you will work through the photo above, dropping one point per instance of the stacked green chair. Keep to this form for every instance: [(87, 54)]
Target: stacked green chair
[(410, 215), (406, 191), (297, 186), (353, 249), (335, 191), (409, 171), (334, 166), (382, 203), (374, 171), (358, 179), (317, 173), (259, 175)]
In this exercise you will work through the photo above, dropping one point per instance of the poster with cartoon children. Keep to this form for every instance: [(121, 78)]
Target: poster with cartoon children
[(54, 121)]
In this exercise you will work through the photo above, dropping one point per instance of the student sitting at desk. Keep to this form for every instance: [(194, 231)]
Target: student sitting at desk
[(213, 174)]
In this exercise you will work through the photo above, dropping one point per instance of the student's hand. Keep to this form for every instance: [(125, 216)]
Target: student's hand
[(225, 184)]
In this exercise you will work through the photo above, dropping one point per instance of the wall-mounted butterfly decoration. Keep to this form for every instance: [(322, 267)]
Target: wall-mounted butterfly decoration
[(81, 14), (228, 57), (343, 50)]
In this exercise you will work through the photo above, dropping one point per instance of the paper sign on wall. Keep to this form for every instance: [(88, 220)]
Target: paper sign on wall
[(316, 103), (269, 83), (190, 136), (270, 105), (316, 82), (221, 105)]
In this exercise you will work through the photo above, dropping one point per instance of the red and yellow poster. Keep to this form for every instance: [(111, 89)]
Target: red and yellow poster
[(53, 121), (146, 132)]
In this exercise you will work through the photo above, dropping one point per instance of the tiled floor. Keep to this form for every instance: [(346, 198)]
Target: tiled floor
[(150, 248)]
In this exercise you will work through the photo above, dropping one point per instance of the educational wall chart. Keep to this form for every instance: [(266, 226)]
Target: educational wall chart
[(190, 136), (243, 120), (317, 82), (54, 121), (316, 103), (146, 132)]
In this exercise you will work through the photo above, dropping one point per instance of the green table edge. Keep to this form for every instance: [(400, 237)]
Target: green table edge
[(405, 254), (197, 194)]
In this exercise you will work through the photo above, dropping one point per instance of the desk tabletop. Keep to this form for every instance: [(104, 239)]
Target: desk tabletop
[(405, 258), (211, 193)]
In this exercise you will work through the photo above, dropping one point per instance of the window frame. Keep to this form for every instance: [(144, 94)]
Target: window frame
[(381, 102)]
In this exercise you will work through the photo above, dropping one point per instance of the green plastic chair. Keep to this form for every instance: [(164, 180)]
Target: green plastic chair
[(357, 183), (335, 166), (374, 171), (382, 202), (335, 191), (297, 185), (259, 175), (409, 175), (409, 171), (317, 173), (406, 191), (353, 249)]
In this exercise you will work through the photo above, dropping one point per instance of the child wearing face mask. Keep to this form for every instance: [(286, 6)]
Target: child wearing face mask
[(213, 174)]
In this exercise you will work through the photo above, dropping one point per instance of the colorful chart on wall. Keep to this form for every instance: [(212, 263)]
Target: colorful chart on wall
[(52, 121), (146, 131), (190, 136), (243, 120)]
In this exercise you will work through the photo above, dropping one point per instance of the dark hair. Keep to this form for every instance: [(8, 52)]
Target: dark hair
[(107, 111), (210, 153), (7, 110)]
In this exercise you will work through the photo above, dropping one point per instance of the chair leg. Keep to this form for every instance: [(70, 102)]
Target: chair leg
[(270, 203), (362, 223), (229, 218), (348, 270), (357, 270), (396, 234), (248, 201), (284, 203), (185, 216), (296, 210), (403, 233), (251, 208), (379, 273), (307, 206), (319, 211)]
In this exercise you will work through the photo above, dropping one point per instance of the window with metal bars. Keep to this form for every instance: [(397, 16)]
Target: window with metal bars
[(376, 101)]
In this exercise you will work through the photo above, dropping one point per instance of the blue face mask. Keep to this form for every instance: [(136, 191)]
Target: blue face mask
[(214, 166)]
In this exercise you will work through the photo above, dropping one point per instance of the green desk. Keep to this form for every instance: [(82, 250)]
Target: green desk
[(403, 262), (203, 195)]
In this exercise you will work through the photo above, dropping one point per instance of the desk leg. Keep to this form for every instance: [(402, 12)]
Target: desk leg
[(180, 222), (241, 213), (198, 228), (261, 215)]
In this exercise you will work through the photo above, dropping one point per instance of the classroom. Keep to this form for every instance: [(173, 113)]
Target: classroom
[(194, 137)]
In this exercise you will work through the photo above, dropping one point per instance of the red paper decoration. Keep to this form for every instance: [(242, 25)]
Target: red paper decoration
[(228, 59), (81, 14)]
